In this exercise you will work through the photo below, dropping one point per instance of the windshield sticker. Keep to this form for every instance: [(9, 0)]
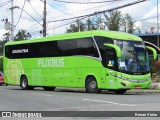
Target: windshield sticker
[(110, 63)]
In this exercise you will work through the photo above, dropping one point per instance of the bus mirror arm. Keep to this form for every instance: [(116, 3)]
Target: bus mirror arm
[(153, 50), (117, 48)]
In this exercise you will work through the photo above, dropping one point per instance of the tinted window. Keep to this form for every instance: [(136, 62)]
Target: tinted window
[(67, 47), (45, 49), (81, 46), (100, 42), (86, 46), (19, 51)]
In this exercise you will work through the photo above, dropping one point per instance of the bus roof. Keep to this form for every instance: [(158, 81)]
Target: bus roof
[(109, 34)]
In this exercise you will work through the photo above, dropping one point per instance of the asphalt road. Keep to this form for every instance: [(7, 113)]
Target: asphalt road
[(12, 98)]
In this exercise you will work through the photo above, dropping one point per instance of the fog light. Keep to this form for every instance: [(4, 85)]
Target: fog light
[(123, 84)]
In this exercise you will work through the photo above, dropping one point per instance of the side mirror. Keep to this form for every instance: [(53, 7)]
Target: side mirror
[(118, 50), (153, 50)]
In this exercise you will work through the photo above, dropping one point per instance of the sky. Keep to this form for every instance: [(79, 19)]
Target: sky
[(59, 10)]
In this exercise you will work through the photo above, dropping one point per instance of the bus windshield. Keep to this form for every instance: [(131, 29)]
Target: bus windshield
[(134, 57)]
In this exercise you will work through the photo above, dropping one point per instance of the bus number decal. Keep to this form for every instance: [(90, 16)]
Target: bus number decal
[(53, 62)]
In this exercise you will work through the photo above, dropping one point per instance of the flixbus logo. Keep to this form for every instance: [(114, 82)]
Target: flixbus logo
[(53, 62)]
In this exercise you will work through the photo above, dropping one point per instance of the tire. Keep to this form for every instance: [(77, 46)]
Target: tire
[(49, 88), (24, 83), (0, 84), (122, 91), (91, 85)]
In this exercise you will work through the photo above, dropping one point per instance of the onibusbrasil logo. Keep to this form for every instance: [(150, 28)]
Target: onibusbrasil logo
[(13, 71)]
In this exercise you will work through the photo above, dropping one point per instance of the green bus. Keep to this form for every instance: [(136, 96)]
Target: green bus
[(95, 60)]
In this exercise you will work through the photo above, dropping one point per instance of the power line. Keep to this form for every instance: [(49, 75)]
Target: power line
[(77, 11), (34, 9), (30, 16), (5, 3), (109, 10), (146, 18), (21, 13), (59, 9), (55, 27), (85, 2)]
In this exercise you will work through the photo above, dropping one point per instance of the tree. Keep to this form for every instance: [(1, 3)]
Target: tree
[(114, 21), (118, 22), (128, 23), (90, 25), (78, 26), (22, 35), (83, 26)]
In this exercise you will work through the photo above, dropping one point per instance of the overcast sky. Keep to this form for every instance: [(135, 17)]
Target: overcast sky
[(58, 10)]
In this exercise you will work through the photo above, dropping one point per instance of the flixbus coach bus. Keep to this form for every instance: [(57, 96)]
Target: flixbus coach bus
[(95, 60)]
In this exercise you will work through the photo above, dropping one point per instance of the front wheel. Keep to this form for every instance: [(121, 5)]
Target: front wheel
[(91, 85), (122, 91)]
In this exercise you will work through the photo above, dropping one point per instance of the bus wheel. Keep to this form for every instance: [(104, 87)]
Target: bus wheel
[(24, 83), (91, 85), (49, 88), (122, 91)]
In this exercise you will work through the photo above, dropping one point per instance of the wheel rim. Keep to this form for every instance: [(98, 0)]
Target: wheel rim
[(24, 83), (93, 85)]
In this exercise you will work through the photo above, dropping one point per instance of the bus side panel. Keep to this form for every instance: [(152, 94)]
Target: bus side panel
[(57, 77), (80, 82), (103, 77), (70, 77), (46, 77)]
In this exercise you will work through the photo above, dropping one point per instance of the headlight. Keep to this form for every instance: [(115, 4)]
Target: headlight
[(148, 78), (124, 78)]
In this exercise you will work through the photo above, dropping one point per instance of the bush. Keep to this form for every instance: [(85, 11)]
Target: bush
[(1, 63)]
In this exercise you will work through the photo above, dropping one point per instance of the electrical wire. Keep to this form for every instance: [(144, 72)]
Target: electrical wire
[(5, 3), (21, 13), (30, 16), (108, 10), (77, 11), (85, 2), (146, 18), (34, 9), (55, 27), (59, 9)]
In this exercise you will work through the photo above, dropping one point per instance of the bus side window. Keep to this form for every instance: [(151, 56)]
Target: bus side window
[(110, 59)]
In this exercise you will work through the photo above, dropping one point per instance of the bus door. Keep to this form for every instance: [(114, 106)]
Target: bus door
[(111, 65)]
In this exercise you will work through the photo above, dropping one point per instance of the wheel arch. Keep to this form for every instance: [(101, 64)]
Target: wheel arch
[(91, 75)]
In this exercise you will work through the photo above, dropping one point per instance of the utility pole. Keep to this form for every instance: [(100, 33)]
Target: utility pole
[(157, 25), (12, 22), (44, 20)]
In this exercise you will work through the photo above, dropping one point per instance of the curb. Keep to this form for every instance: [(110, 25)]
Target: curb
[(151, 91), (144, 91)]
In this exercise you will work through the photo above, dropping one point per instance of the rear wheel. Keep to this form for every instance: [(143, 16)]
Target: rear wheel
[(24, 84), (0, 84), (122, 91), (91, 85), (49, 88)]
